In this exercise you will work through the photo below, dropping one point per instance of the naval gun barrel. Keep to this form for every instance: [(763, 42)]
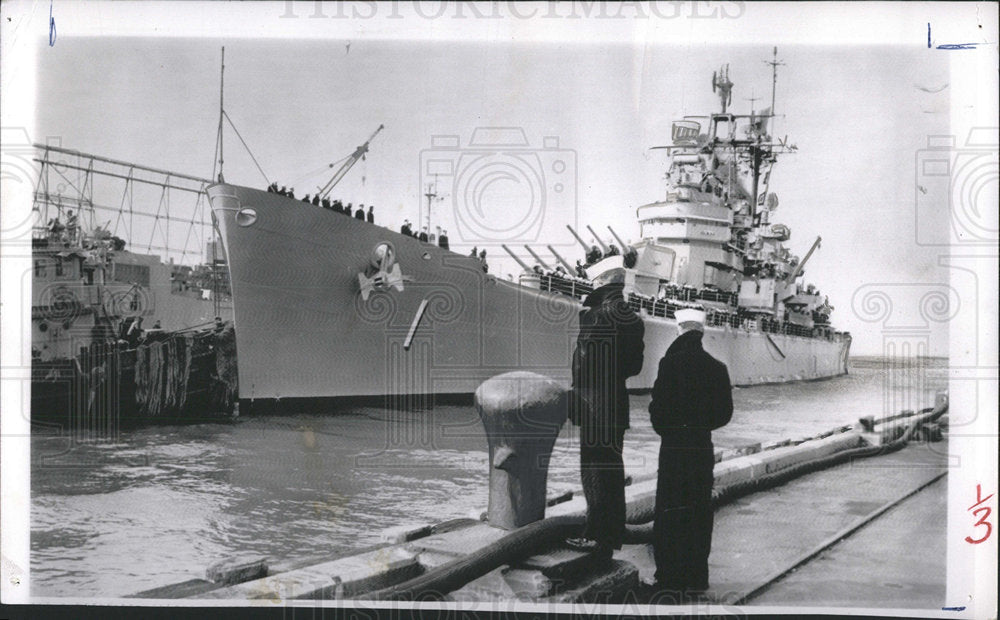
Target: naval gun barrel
[(562, 260), (802, 263), (537, 258), (604, 248), (514, 256), (582, 244), (619, 240)]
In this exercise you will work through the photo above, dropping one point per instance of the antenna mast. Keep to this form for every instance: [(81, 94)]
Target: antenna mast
[(222, 83), (431, 195), (775, 63)]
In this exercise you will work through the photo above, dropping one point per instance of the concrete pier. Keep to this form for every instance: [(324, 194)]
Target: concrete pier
[(863, 533)]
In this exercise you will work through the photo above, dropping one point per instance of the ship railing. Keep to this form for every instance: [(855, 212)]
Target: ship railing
[(567, 286), (665, 308)]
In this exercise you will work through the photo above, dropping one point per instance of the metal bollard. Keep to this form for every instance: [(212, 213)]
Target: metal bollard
[(522, 413)]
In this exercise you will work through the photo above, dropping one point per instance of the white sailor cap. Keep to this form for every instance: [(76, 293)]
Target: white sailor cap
[(690, 315)]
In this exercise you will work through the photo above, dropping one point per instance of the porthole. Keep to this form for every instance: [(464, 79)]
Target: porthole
[(246, 216)]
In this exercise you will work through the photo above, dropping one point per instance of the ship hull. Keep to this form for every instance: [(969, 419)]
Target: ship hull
[(305, 331)]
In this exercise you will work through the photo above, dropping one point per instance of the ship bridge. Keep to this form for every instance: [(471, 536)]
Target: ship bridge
[(697, 232)]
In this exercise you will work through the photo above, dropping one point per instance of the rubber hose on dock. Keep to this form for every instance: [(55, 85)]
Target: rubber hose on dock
[(638, 531), (439, 581)]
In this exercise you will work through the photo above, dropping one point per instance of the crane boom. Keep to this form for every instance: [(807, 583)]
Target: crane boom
[(358, 154)]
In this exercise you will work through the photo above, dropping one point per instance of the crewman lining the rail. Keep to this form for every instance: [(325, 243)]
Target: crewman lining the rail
[(423, 234), (443, 240), (315, 200), (609, 350), (406, 228), (692, 396), (360, 214), (594, 255), (371, 214), (56, 229), (72, 227)]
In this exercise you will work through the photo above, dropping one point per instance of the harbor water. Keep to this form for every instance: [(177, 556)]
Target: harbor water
[(157, 505)]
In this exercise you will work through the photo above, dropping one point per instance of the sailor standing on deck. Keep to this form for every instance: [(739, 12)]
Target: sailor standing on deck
[(608, 350), (692, 397)]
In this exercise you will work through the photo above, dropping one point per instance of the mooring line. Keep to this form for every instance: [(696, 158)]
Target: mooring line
[(831, 541)]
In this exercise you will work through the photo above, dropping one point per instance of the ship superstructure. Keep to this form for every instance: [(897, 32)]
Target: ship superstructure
[(713, 239), (88, 283)]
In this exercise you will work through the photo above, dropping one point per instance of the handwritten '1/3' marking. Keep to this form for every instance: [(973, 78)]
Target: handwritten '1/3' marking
[(982, 520)]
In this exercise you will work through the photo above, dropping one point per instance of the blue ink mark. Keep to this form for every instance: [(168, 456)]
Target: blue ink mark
[(953, 608), (52, 27), (949, 46)]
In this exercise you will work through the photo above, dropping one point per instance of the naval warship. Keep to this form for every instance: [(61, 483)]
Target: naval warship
[(328, 306)]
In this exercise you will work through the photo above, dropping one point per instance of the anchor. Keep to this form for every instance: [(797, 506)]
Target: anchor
[(382, 273)]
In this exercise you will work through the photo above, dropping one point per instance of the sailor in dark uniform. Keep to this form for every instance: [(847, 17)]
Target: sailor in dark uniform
[(692, 396), (348, 209), (631, 258), (594, 255), (360, 213), (423, 234), (291, 193), (371, 214), (326, 203), (283, 191), (315, 200), (338, 206), (305, 198), (580, 271), (406, 229), (612, 250), (608, 351), (443, 240)]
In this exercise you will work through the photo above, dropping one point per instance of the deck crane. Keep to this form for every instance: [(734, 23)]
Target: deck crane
[(358, 154)]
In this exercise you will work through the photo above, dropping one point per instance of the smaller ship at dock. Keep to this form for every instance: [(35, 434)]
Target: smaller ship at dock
[(101, 311)]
